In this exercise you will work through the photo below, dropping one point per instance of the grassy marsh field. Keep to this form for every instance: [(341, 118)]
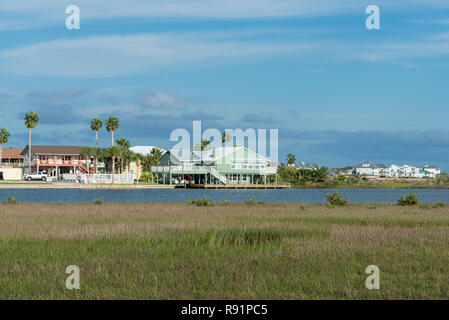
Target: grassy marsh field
[(234, 251)]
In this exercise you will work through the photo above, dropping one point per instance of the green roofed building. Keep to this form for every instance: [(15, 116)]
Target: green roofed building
[(224, 165)]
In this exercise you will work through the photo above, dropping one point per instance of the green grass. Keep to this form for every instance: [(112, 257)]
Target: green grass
[(178, 251)]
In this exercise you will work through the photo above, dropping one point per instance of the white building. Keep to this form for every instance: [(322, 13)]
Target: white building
[(394, 171), (370, 169), (431, 171)]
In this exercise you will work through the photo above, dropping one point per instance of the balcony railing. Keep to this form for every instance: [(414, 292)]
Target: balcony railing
[(58, 162), (207, 169)]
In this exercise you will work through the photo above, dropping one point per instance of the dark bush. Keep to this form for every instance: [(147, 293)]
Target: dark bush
[(205, 202), (10, 200), (410, 200)]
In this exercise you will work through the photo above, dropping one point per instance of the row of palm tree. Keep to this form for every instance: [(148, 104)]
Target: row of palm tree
[(120, 156)]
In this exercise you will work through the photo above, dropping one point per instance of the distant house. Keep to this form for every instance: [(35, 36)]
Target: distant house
[(224, 165), (303, 165), (55, 160), (349, 170), (431, 171), (394, 171), (368, 168), (12, 158), (144, 151)]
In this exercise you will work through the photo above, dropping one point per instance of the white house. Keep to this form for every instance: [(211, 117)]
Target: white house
[(405, 171), (431, 171), (370, 169)]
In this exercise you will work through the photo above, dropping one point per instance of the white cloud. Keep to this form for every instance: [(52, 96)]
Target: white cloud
[(161, 101), (53, 11), (105, 56), (31, 14), (109, 56)]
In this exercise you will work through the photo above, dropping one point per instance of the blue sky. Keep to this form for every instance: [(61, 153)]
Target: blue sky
[(338, 93)]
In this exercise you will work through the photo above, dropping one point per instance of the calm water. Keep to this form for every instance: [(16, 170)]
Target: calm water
[(180, 195)]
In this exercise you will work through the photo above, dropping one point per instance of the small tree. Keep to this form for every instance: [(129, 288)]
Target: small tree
[(146, 176), (4, 137), (336, 199), (291, 158), (410, 200)]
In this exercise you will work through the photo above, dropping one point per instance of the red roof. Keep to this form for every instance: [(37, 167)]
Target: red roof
[(54, 150), (12, 153)]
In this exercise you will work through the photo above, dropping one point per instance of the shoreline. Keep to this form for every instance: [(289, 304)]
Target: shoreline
[(35, 185)]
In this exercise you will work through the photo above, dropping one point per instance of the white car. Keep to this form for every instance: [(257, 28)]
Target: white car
[(41, 175)]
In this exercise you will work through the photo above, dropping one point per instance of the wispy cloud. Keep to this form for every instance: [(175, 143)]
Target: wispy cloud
[(109, 56), (31, 14), (161, 101), (105, 56)]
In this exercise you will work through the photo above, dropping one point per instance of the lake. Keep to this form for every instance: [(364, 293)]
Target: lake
[(180, 195)]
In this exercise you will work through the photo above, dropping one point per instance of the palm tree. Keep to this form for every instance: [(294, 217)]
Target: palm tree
[(97, 153), (139, 159), (87, 153), (112, 153), (124, 144), (4, 137), (202, 145), (151, 159), (225, 137), (291, 159), (31, 122), (96, 124), (112, 125)]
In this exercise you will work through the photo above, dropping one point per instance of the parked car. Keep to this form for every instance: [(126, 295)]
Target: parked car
[(41, 175)]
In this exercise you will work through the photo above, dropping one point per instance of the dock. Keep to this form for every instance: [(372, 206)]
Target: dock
[(236, 186)]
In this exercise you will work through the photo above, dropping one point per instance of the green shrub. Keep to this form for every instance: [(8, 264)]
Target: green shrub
[(205, 202), (10, 200), (372, 206), (336, 199), (98, 201), (252, 202), (410, 200), (435, 205), (438, 204), (145, 176), (225, 202)]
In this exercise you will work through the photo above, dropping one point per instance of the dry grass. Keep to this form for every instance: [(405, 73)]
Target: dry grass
[(167, 251)]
